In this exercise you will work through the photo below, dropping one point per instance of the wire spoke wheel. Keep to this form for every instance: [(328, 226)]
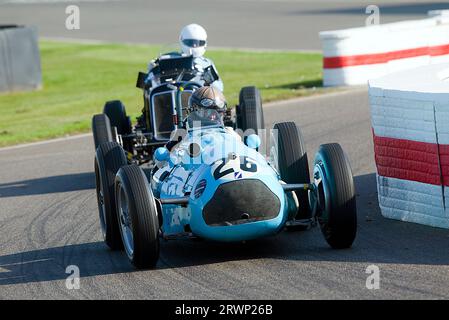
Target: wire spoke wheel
[(137, 217), (101, 204), (125, 221)]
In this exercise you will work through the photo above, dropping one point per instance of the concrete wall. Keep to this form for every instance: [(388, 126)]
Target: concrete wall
[(353, 56), (410, 122), (20, 66)]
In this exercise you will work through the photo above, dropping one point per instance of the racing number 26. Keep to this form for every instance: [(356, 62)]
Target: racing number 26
[(246, 165)]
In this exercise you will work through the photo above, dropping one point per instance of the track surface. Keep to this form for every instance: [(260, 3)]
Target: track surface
[(48, 220), (274, 24), (48, 211)]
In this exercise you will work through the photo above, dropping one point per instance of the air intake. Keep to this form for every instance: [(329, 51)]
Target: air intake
[(241, 201)]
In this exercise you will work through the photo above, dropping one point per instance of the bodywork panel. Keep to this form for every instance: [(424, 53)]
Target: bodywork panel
[(234, 194)]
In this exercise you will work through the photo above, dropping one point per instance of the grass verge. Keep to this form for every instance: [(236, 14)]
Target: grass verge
[(79, 78)]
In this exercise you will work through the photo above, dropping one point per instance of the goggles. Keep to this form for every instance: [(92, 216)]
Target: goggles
[(207, 103), (193, 43)]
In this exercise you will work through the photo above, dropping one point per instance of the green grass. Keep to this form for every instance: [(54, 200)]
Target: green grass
[(79, 78)]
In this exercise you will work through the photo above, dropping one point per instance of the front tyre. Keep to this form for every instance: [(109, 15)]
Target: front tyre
[(138, 217), (101, 129), (249, 112), (289, 153), (337, 213), (108, 160), (116, 112)]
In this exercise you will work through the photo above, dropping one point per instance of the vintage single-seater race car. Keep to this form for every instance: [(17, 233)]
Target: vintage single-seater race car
[(213, 183)]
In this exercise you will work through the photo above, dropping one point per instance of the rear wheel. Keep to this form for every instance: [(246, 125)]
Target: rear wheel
[(101, 129), (290, 157), (108, 160), (138, 217), (337, 214), (249, 112), (116, 112)]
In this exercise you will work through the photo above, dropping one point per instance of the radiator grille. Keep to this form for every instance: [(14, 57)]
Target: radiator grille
[(241, 201)]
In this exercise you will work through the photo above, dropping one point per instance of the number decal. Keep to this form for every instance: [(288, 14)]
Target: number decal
[(219, 174), (247, 165)]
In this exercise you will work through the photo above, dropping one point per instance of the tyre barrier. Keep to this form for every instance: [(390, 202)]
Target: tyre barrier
[(353, 56), (435, 13), (410, 124), (20, 67)]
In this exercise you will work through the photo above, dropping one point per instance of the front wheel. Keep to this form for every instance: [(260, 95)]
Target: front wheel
[(116, 112), (249, 112), (288, 150), (137, 216), (101, 129), (108, 160), (337, 212)]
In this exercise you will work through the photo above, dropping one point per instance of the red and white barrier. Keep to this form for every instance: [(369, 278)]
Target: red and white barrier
[(353, 56), (410, 122)]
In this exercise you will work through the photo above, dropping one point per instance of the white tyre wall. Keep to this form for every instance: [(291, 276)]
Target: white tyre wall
[(410, 122)]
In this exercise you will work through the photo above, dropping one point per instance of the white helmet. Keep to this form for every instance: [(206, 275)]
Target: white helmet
[(193, 40)]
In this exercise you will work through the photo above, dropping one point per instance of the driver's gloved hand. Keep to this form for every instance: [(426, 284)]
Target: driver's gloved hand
[(173, 143)]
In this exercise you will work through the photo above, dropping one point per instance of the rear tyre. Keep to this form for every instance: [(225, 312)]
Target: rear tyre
[(337, 213), (101, 129), (108, 160), (290, 155), (249, 112), (138, 217), (116, 112)]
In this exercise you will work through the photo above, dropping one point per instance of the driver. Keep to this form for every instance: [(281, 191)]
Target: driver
[(193, 41), (207, 105)]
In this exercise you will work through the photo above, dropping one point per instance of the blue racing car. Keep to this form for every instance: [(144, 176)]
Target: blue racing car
[(222, 178)]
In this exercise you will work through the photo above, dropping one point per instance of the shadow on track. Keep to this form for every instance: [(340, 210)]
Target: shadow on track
[(55, 184), (379, 240), (49, 264)]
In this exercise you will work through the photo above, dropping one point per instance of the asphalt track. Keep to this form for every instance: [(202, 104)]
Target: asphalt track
[(48, 211), (48, 220), (272, 24)]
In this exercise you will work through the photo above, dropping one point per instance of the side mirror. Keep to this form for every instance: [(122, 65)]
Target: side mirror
[(161, 154), (253, 141), (140, 83), (210, 74)]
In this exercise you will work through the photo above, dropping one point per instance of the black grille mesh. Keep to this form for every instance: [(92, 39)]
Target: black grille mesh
[(163, 115), (241, 201)]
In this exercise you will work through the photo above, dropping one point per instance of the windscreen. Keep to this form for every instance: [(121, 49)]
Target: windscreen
[(176, 64), (163, 115), (204, 118)]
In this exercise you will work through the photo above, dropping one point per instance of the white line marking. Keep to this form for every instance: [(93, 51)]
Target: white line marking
[(34, 144), (268, 104), (95, 41), (321, 96)]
